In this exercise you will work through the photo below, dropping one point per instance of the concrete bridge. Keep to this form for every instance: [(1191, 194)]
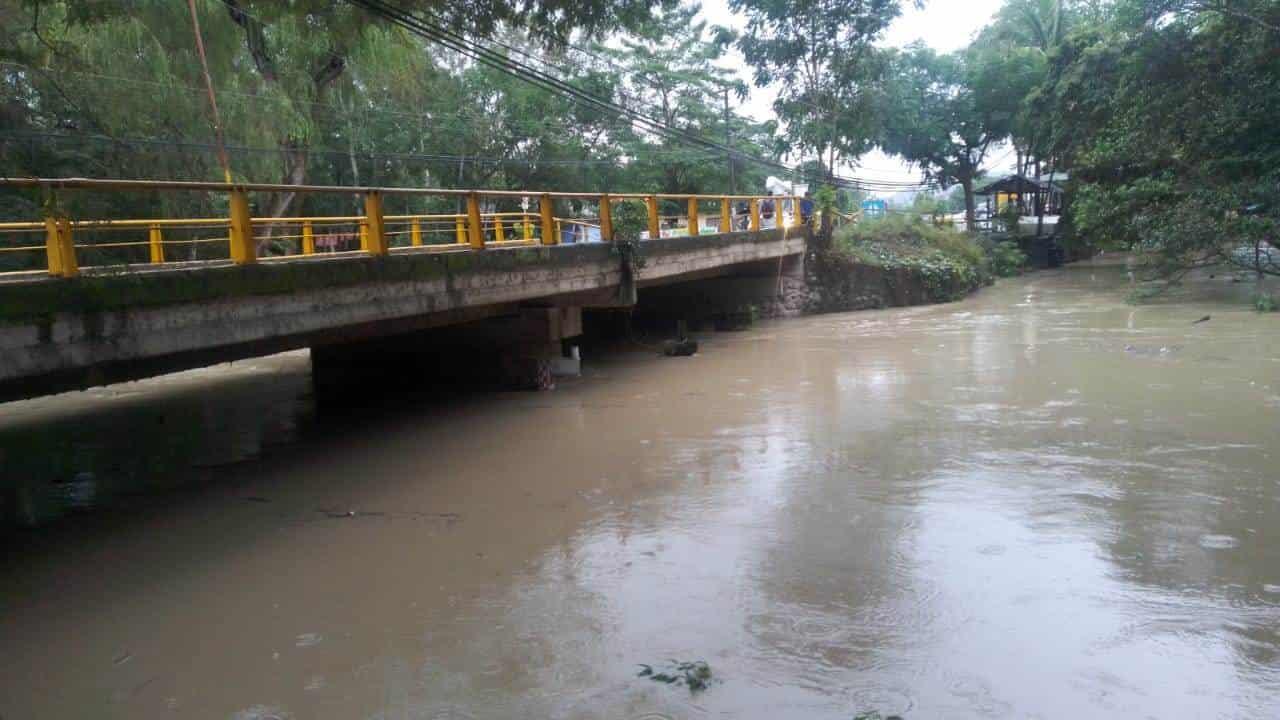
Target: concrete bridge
[(366, 310)]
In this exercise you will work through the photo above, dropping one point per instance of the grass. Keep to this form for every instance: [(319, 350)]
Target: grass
[(950, 263)]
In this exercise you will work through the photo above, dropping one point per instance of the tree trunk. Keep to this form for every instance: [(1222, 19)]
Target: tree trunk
[(295, 173), (1043, 202), (970, 209), (294, 151)]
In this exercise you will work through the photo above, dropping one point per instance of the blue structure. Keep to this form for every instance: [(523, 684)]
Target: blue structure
[(874, 208)]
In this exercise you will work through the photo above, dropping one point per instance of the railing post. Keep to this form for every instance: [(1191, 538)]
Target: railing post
[(499, 234), (60, 249), (655, 225), (243, 249), (606, 219), (755, 214), (475, 231), (415, 233), (546, 209), (528, 226), (376, 224), (155, 240), (460, 230), (693, 217), (726, 217), (308, 238)]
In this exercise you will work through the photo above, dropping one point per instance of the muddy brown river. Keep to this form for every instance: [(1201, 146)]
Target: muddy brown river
[(1041, 502)]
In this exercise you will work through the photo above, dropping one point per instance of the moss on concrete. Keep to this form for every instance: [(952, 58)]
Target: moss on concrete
[(39, 300)]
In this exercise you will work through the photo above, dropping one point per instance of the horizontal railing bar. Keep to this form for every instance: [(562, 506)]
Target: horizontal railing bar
[(375, 230), (178, 223), (72, 183)]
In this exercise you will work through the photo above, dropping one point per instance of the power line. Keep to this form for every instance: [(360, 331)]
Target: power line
[(421, 157), (456, 121), (520, 70), (503, 66), (435, 120)]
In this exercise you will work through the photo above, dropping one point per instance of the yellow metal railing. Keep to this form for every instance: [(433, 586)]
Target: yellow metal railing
[(239, 237)]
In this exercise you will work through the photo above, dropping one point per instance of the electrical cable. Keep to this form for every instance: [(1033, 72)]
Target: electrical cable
[(469, 48)]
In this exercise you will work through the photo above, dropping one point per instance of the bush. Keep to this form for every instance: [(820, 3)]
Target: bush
[(905, 237), (629, 220), (1007, 259), (950, 263), (1009, 217)]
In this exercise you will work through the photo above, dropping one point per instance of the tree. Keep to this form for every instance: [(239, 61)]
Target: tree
[(121, 94), (1015, 50), (292, 56), (669, 70), (938, 118), (822, 53), (1167, 123)]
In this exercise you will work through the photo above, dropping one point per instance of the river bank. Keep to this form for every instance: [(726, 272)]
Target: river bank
[(837, 279), (836, 283)]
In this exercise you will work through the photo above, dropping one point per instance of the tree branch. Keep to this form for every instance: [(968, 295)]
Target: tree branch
[(1224, 7), (255, 39)]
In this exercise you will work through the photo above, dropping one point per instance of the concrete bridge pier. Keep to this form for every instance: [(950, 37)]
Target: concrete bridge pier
[(524, 349)]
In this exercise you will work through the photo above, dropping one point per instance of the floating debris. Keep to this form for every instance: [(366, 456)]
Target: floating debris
[(695, 675), (1206, 318), (1218, 542), (680, 348), (448, 518), (262, 712), (308, 640)]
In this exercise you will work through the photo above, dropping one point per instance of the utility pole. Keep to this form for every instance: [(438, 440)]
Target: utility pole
[(728, 141), (213, 99)]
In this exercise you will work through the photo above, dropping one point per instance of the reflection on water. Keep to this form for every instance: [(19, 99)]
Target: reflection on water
[(1040, 502), (108, 445)]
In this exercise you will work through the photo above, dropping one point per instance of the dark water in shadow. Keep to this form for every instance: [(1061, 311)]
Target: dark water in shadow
[(1040, 502), (118, 446)]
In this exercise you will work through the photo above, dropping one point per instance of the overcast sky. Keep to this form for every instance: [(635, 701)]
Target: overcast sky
[(944, 25)]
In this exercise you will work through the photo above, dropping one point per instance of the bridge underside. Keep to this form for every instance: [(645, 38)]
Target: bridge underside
[(66, 334)]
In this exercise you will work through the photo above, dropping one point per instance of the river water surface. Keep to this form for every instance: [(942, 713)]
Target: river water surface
[(1040, 502)]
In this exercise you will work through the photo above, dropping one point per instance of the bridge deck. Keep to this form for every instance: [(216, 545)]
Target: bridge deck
[(66, 333)]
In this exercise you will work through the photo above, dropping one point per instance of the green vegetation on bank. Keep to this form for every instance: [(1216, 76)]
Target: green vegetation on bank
[(950, 263), (1156, 117)]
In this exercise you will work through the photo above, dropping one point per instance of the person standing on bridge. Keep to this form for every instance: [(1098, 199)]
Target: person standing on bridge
[(766, 208), (806, 209), (742, 216)]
